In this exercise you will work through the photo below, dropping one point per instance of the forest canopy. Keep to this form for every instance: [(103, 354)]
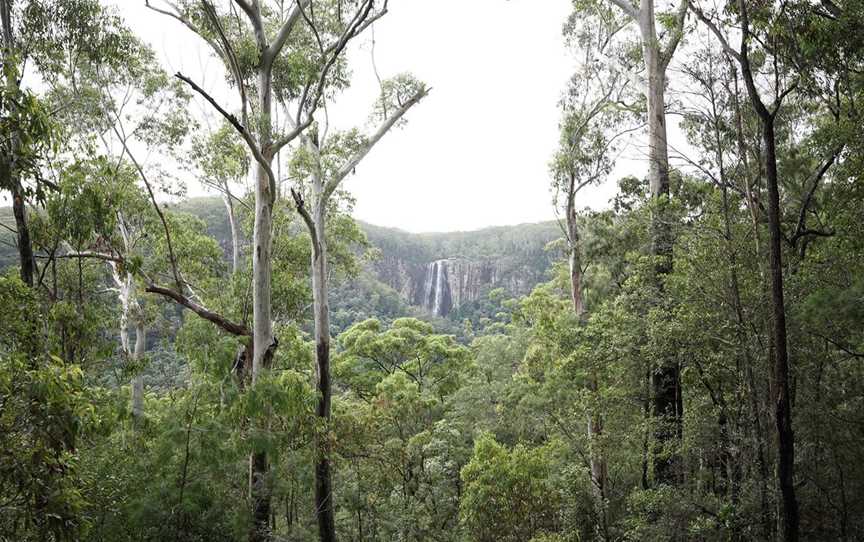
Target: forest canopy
[(684, 363)]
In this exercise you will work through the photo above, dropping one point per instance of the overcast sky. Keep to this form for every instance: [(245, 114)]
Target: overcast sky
[(475, 152)]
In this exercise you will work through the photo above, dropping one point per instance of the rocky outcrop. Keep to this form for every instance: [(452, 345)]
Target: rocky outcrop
[(443, 272), (436, 292), (443, 285)]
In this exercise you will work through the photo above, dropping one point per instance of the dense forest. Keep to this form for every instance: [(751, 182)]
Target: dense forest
[(684, 363)]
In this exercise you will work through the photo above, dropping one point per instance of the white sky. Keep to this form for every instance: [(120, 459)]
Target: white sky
[(475, 151)]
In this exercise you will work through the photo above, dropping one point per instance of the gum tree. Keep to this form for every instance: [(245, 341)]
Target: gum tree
[(325, 161), (659, 36), (268, 52)]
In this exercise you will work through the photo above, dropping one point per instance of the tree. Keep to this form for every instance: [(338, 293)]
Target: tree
[(306, 83), (657, 53), (400, 412), (519, 480), (590, 112), (782, 55), (223, 161), (327, 162)]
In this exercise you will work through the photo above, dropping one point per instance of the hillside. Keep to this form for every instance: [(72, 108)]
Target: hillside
[(433, 274)]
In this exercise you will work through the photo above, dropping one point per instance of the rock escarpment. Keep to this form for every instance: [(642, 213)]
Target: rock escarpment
[(445, 272)]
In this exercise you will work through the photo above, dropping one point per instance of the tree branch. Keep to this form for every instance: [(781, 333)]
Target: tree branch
[(677, 33), (227, 325), (800, 228), (714, 30), (177, 15), (304, 214), (359, 22), (175, 270), (232, 62), (254, 14), (244, 133), (349, 166), (628, 8), (284, 32)]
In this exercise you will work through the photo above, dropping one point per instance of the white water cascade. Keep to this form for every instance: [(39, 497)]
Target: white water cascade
[(437, 298)]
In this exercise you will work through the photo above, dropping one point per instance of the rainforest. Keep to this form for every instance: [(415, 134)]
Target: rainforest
[(212, 328)]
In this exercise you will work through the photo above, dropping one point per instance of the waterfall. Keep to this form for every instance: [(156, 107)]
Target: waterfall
[(437, 298), (440, 284), (430, 283)]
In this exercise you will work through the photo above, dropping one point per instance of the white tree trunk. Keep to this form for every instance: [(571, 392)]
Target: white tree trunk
[(262, 325), (126, 296), (575, 259), (667, 404), (658, 154), (321, 310), (263, 342)]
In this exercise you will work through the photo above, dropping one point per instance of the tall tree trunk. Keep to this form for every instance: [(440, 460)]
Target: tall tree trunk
[(667, 401), (128, 304), (264, 343), (575, 259), (788, 524), (25, 245), (261, 261), (788, 521), (595, 420), (138, 379), (323, 482), (8, 169)]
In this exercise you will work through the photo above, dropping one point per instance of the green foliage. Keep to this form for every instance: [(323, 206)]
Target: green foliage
[(40, 418), (28, 134), (481, 434), (509, 494)]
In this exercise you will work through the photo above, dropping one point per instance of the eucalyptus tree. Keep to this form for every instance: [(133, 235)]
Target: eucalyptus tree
[(786, 79), (34, 33), (658, 49), (294, 55), (118, 103), (325, 161), (223, 161), (402, 380), (591, 112), (715, 125)]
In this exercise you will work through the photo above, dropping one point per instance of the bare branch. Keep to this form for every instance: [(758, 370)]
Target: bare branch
[(83, 255), (244, 133), (178, 16), (714, 30), (227, 325), (801, 227), (349, 166), (628, 8), (233, 64)]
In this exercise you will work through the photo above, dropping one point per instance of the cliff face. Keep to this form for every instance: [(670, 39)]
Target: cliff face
[(444, 272), (451, 283)]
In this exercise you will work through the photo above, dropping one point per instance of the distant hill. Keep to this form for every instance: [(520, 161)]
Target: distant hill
[(438, 274)]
